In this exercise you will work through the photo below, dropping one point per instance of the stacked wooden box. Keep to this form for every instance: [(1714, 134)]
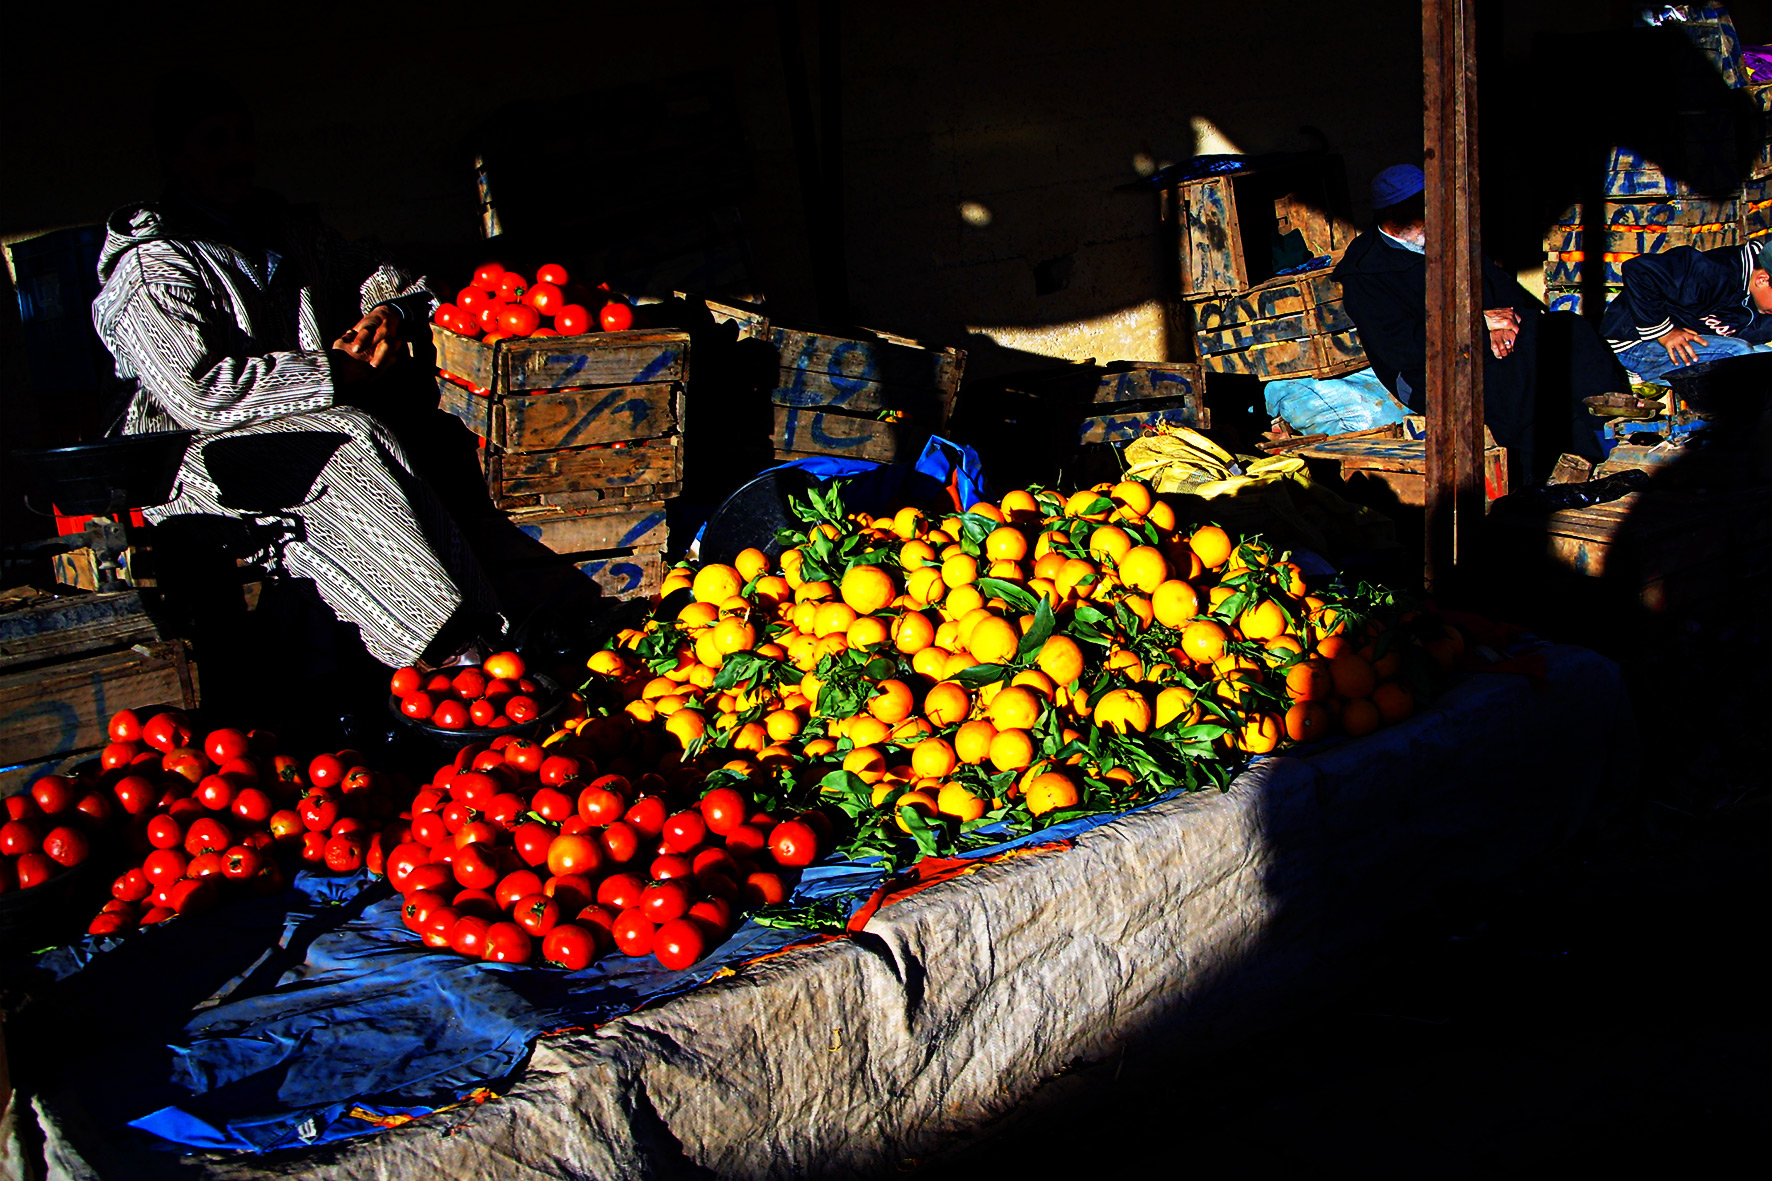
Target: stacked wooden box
[(878, 396), (1246, 319), (67, 663), (1396, 456), (582, 440)]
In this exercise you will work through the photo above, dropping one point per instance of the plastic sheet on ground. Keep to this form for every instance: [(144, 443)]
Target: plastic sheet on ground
[(1176, 928)]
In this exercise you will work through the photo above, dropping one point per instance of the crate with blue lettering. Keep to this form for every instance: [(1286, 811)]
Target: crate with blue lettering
[(620, 547), (571, 422), (873, 395)]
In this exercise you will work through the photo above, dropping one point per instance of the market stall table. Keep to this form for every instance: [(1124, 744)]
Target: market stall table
[(1173, 929)]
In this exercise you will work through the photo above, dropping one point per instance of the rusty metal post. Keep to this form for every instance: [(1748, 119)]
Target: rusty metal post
[(1456, 337)]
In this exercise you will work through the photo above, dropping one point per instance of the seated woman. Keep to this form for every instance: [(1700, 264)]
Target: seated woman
[(247, 321), (1539, 365)]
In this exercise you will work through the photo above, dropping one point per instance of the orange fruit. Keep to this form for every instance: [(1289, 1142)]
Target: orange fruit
[(733, 635), (716, 583), (972, 742), (1075, 578), (1360, 717), (1079, 502), (959, 570), (1309, 680), (1262, 621), (868, 589), (931, 662), (1143, 568), (697, 615), (1175, 603), (1050, 792), (1211, 545), (814, 592), (1020, 507), (946, 704), (1352, 675), (1134, 496), (1014, 708), (831, 619), (1121, 710), (1307, 720), (907, 522), (1061, 659), (892, 701), (686, 725), (1203, 641), (1177, 701), (985, 508), (1394, 701), (1007, 544), (1109, 543), (958, 801), (934, 758), (783, 724), (1036, 681), (1260, 734), (609, 664), (866, 763), (912, 632), (868, 631), (751, 562), (1161, 515), (1126, 661), (1011, 750), (993, 641)]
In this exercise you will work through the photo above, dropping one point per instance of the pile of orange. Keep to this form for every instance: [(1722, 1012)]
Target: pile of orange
[(1030, 660)]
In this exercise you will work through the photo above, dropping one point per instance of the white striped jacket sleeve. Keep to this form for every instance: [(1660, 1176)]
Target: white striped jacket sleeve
[(178, 344)]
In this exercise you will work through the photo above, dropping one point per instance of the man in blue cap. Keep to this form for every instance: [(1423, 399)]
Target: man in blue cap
[(1684, 306), (1539, 366)]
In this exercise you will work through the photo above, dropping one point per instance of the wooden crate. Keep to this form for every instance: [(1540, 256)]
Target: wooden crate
[(1325, 355), (877, 397), (1565, 269), (1400, 462), (1224, 226), (620, 545), (1566, 298), (1652, 213), (571, 421), (67, 663), (1646, 240)]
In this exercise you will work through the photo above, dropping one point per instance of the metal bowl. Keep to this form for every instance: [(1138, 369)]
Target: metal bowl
[(453, 740), (130, 471)]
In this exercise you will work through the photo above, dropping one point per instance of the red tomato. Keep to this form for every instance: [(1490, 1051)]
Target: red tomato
[(684, 832), (536, 913), (764, 889), (110, 924), (445, 315), (215, 792), (475, 788), (647, 817), (570, 947), (242, 863), (206, 835), (418, 905), (469, 303), (167, 731), (326, 770), (482, 712), (33, 870), (23, 807), (633, 933), (163, 867), (599, 921), (222, 745), (518, 319), (621, 842), (313, 848), (724, 810), (598, 805), (187, 764), (344, 854), (242, 771), (679, 943), (721, 883), (553, 273), (124, 726), (746, 838), (616, 317), (670, 866), (553, 804), (556, 770), (572, 320), (431, 830), (572, 892), (450, 715), (404, 681), (532, 841), (468, 937), (621, 891), (522, 708), (54, 794), (432, 877), (506, 809), (192, 896), (507, 943), (477, 832), (793, 844), (66, 846), (319, 813), (439, 926), (663, 901), (251, 805), (403, 860), (476, 867), (487, 275), (132, 886), (514, 885), (526, 756), (505, 666), (714, 861), (117, 754), (18, 837), (573, 854), (715, 914), (511, 286), (285, 825), (469, 682), (479, 904)]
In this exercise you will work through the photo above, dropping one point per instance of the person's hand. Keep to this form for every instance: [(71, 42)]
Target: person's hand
[(1679, 345), (375, 339), (348, 369), (1504, 329)]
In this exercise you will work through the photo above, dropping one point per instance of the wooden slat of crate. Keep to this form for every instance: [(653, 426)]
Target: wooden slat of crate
[(474, 410), (1253, 332), (821, 369), (640, 525), (835, 391), (567, 418), (800, 432), (1402, 464), (519, 364), (585, 475), (1129, 422), (1667, 211), (1644, 182), (65, 707), (1647, 241), (1323, 355), (58, 627), (1288, 295), (1566, 268), (1211, 238), (1146, 381), (625, 576)]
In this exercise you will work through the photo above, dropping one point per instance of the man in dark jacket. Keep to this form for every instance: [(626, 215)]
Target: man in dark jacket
[(1539, 366), (1685, 306)]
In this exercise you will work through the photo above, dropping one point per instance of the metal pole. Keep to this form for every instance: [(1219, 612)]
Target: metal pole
[(1456, 337)]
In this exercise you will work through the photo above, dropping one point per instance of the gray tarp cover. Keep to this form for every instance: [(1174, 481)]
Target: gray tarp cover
[(1180, 926)]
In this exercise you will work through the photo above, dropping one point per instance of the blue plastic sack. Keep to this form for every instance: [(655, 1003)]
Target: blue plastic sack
[(1356, 401)]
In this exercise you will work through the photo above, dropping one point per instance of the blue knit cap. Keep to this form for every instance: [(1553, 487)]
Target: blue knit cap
[(1397, 183)]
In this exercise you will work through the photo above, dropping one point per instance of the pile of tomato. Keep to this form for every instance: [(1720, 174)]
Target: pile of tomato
[(227, 814), (489, 696), (498, 303), (50, 830), (517, 851)]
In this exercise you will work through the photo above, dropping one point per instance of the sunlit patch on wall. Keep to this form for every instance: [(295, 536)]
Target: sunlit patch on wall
[(975, 214)]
